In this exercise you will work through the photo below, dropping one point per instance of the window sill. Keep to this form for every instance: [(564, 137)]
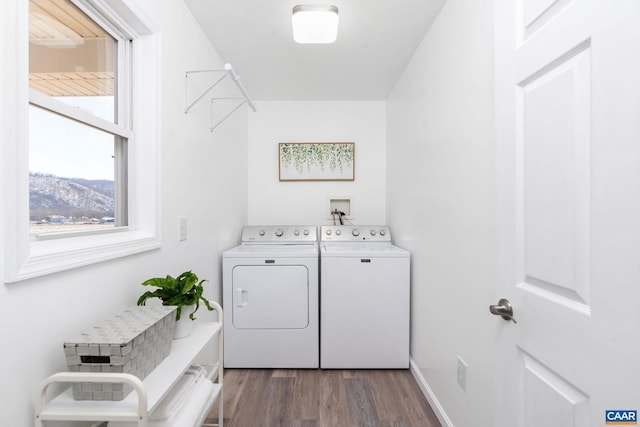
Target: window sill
[(51, 256)]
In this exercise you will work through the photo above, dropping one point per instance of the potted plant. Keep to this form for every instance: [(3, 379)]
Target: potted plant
[(184, 291)]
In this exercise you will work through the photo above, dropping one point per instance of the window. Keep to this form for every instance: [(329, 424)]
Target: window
[(78, 74), (77, 156)]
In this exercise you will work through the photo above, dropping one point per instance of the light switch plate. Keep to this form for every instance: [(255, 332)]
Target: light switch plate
[(183, 228)]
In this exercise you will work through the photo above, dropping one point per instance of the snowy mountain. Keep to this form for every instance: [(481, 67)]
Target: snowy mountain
[(51, 195)]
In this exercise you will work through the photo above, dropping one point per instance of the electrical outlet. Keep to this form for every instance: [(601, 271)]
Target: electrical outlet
[(462, 374)]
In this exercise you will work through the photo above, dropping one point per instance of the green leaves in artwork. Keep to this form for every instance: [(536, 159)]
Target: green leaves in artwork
[(305, 156)]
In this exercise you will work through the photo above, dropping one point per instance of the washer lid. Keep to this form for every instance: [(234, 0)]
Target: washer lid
[(366, 250)]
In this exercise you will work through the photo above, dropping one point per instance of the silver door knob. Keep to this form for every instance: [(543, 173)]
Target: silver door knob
[(503, 309)]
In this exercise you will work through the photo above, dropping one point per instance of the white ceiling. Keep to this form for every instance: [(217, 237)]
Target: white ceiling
[(376, 39)]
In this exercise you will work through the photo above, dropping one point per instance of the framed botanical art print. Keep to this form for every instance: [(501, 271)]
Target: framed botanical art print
[(316, 161)]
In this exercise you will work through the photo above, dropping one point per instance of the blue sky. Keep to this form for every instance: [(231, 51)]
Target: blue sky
[(66, 148)]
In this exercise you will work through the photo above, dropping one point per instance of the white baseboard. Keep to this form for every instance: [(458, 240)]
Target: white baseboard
[(431, 398)]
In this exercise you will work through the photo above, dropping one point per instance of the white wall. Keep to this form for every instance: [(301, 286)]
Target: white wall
[(203, 177), (441, 205), (275, 202)]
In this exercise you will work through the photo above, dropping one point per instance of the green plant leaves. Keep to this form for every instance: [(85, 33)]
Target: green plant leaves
[(187, 281), (184, 290), (159, 282)]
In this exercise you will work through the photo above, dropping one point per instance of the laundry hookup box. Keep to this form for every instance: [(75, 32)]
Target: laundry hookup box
[(133, 342)]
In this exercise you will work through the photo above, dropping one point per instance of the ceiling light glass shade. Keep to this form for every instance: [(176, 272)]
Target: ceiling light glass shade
[(315, 24)]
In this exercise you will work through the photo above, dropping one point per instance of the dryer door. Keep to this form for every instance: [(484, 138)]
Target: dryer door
[(270, 297)]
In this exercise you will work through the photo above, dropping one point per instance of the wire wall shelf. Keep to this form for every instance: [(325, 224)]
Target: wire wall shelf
[(220, 75)]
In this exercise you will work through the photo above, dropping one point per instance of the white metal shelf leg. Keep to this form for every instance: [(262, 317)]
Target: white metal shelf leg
[(221, 377)]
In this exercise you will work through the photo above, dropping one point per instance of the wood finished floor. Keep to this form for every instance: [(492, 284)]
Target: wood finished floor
[(323, 398)]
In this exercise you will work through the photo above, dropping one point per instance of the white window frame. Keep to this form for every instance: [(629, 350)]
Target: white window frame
[(23, 257)]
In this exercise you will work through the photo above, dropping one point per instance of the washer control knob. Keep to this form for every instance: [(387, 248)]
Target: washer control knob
[(261, 232), (372, 232), (305, 232), (355, 232), (279, 232), (296, 232), (328, 232), (338, 232), (382, 232)]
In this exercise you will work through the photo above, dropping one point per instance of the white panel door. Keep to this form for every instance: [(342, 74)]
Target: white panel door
[(568, 158)]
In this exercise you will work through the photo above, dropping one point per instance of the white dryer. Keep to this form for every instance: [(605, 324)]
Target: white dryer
[(270, 298), (364, 299)]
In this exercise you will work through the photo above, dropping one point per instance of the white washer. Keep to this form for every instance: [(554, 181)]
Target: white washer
[(364, 299), (270, 297)]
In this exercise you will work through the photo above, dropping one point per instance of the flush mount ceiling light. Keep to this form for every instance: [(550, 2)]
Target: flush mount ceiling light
[(315, 23)]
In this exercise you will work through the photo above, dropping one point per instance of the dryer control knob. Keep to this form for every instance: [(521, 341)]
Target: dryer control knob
[(372, 232), (279, 232), (338, 232), (305, 232), (355, 232), (261, 232), (382, 232), (328, 232), (296, 232)]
